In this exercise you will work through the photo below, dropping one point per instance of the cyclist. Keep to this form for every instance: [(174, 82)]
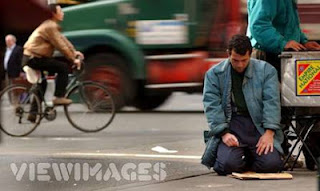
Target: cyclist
[(38, 51)]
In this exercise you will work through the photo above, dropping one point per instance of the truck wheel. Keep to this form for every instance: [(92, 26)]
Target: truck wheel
[(110, 69), (150, 102)]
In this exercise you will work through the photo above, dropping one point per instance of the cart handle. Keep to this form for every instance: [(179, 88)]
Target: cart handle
[(286, 55)]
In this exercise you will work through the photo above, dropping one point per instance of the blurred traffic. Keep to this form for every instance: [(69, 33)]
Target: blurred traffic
[(145, 50)]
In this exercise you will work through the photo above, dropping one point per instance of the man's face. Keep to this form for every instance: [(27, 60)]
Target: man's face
[(239, 62), (59, 14), (9, 41)]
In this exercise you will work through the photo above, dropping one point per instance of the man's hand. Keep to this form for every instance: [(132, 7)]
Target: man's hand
[(78, 53), (294, 45), (77, 62), (22, 75), (265, 143), (312, 45), (230, 140)]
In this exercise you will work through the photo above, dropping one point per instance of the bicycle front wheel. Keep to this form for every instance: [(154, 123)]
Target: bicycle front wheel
[(93, 108), (17, 103)]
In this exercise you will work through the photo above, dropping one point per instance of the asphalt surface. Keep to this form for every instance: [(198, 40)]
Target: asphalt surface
[(157, 150)]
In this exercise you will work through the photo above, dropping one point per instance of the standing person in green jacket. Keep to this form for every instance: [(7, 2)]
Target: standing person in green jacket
[(273, 27)]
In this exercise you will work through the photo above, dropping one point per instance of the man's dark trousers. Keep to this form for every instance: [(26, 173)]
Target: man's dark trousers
[(244, 157), (53, 66)]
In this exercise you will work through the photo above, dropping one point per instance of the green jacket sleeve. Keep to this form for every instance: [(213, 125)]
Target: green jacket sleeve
[(261, 15), (304, 38)]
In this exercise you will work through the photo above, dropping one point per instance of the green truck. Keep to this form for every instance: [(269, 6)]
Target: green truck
[(146, 49)]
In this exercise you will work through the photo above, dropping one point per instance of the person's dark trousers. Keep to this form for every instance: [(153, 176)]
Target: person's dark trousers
[(2, 84), (53, 66), (244, 157), (319, 174), (40, 93), (275, 61)]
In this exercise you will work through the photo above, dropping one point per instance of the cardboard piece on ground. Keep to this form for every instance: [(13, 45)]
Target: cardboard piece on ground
[(261, 176)]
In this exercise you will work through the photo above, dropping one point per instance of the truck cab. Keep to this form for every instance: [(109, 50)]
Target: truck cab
[(144, 50)]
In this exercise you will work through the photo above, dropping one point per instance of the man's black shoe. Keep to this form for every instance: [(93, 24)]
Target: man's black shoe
[(32, 118)]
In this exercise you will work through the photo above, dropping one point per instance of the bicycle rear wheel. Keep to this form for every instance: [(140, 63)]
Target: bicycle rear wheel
[(93, 108), (15, 105)]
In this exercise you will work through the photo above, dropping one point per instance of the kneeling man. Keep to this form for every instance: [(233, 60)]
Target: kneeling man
[(242, 104)]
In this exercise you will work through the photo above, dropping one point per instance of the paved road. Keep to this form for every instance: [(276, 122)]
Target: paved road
[(58, 157)]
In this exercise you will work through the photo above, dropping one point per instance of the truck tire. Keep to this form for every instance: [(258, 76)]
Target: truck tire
[(111, 70), (150, 102)]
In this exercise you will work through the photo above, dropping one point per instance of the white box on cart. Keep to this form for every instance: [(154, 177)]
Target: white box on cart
[(300, 79)]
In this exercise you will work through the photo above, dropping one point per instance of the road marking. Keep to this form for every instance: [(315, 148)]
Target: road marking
[(129, 155), (160, 149), (173, 85), (88, 154), (64, 138)]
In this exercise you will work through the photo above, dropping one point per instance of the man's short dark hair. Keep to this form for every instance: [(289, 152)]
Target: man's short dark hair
[(240, 44), (53, 7)]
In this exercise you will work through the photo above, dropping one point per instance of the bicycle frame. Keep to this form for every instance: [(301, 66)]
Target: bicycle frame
[(36, 89), (77, 89), (74, 81)]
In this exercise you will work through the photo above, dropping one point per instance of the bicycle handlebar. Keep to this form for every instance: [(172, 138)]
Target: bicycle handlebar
[(76, 70)]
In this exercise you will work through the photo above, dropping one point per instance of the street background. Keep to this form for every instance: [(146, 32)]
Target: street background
[(177, 126)]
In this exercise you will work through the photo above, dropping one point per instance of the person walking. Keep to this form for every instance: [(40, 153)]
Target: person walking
[(12, 61)]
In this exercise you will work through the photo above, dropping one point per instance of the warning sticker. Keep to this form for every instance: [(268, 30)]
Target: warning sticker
[(308, 77)]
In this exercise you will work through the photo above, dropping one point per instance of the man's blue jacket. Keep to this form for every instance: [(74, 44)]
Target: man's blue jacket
[(262, 95)]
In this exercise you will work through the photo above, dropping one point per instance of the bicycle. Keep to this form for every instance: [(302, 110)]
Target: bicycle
[(92, 110)]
